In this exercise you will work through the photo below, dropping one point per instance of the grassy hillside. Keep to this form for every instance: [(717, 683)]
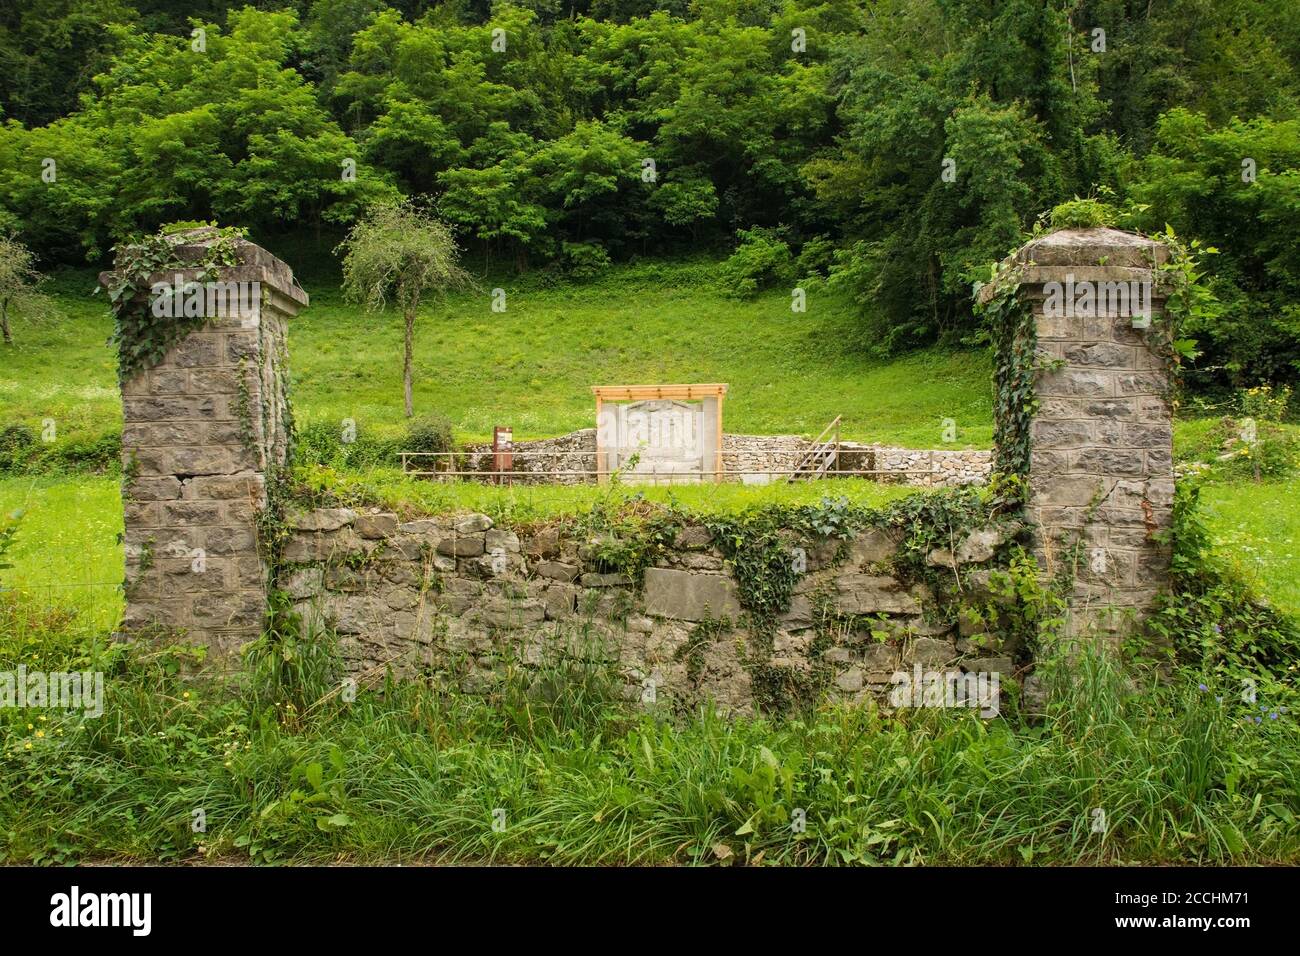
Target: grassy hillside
[(533, 365)]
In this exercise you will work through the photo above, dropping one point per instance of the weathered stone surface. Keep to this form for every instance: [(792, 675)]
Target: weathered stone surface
[(557, 571), (505, 540), (471, 524), (878, 594), (462, 547), (610, 580), (543, 544), (560, 600), (872, 546), (375, 526), (1004, 667), (928, 652), (322, 519), (700, 562), (979, 546), (850, 681), (690, 596), (503, 612), (693, 538)]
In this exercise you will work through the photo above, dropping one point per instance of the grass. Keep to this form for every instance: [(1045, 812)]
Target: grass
[(1258, 526), (411, 774), (520, 504), (67, 553), (533, 366)]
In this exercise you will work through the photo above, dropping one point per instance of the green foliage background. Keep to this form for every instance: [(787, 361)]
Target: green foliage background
[(813, 131)]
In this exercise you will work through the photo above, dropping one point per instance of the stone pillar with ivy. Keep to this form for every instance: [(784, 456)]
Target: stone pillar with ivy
[(1084, 372), (201, 335)]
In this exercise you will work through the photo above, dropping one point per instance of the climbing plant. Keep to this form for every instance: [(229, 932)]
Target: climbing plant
[(142, 337), (1014, 340)]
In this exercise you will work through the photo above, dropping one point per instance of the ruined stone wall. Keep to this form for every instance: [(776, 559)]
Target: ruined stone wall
[(458, 599), (202, 430), (206, 427)]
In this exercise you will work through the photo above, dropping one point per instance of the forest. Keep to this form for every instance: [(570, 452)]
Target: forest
[(892, 148)]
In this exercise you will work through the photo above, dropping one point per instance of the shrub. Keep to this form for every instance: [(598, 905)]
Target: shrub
[(328, 443), (1212, 622), (21, 452), (16, 443), (430, 433), (763, 259), (583, 260)]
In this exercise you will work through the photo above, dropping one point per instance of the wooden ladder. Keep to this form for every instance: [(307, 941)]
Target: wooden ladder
[(823, 454)]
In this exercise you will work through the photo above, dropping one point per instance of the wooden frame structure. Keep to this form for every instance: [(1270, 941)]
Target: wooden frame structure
[(712, 393)]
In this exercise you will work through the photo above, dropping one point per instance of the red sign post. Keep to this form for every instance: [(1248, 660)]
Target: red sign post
[(503, 459)]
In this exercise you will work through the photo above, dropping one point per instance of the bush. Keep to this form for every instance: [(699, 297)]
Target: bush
[(583, 260), (338, 445), (763, 259), (22, 452), (815, 258), (429, 433), (16, 444)]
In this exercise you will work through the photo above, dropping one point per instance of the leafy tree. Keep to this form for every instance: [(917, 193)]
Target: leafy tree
[(398, 250), (1235, 187)]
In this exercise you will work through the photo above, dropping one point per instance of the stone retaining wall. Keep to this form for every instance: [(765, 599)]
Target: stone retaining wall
[(458, 599)]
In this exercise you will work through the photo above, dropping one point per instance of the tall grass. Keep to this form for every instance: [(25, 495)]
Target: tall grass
[(410, 771)]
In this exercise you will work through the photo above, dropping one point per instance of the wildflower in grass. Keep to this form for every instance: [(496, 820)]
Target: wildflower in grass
[(40, 733)]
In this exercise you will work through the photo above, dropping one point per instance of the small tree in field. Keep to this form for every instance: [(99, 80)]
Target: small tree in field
[(399, 250), (19, 285)]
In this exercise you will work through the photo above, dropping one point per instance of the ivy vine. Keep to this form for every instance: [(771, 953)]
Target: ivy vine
[(141, 337), (1014, 339)]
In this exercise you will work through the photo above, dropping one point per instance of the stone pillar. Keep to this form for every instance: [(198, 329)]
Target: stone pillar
[(202, 432), (1101, 479)]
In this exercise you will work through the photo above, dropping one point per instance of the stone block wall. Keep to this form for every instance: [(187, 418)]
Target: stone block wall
[(202, 430), (457, 599), (1101, 479)]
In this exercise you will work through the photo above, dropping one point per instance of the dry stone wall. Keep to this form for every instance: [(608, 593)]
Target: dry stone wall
[(459, 599)]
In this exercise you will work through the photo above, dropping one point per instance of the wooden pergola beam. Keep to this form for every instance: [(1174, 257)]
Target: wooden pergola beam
[(641, 393)]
